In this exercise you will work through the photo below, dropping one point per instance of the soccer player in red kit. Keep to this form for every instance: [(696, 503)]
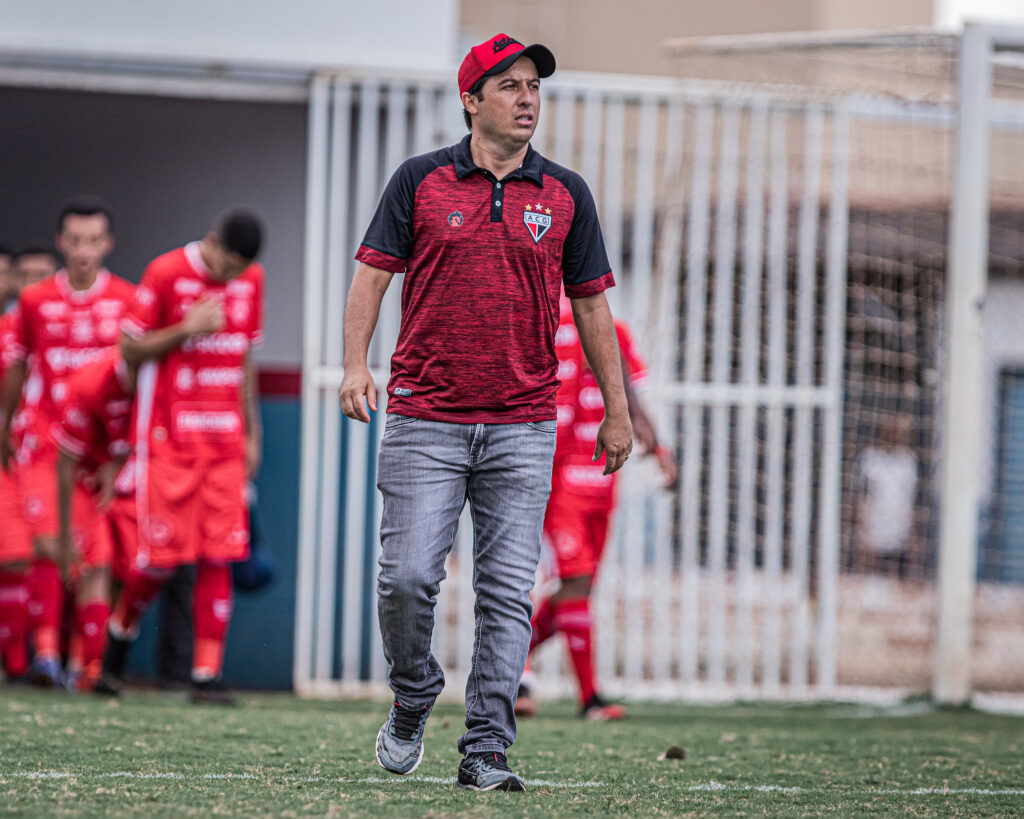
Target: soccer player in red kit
[(582, 500), (92, 439), (29, 265), (63, 323), (196, 315)]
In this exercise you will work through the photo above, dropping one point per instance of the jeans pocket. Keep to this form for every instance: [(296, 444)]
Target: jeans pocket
[(550, 427), (396, 420)]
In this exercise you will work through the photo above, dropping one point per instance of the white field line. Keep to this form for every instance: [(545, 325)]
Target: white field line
[(706, 787)]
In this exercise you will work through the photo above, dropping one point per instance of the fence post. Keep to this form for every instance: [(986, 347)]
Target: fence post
[(961, 428)]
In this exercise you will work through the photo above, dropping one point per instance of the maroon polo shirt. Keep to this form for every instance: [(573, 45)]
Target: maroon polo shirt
[(484, 260)]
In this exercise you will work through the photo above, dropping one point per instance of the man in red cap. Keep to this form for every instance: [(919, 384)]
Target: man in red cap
[(486, 232)]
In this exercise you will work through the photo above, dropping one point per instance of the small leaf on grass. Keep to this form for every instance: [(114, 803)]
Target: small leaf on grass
[(674, 752)]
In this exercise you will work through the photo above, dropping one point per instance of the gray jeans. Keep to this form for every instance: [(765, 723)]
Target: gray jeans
[(427, 470)]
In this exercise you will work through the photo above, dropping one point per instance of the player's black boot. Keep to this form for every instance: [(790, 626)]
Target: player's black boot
[(115, 660), (212, 692)]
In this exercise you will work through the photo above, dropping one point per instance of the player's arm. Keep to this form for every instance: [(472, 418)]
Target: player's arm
[(362, 308), (205, 316), (66, 556), (251, 412), (596, 330), (646, 436), (14, 383)]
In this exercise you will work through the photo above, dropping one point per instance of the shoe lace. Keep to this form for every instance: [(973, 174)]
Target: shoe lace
[(407, 721), (491, 759)]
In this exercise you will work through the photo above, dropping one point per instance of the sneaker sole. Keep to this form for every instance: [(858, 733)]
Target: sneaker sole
[(510, 784), (376, 753)]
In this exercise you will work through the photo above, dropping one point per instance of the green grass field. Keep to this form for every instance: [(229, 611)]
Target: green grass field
[(156, 755)]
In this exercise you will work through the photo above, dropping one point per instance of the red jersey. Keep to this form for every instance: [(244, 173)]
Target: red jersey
[(96, 418), (581, 409), (8, 345), (190, 401), (59, 329)]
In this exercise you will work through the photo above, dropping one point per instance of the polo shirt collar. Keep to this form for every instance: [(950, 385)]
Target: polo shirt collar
[(531, 169)]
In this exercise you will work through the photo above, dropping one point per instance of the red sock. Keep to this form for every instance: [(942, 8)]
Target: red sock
[(13, 621), (91, 628), (543, 623), (139, 590), (45, 607), (211, 614), (572, 618)]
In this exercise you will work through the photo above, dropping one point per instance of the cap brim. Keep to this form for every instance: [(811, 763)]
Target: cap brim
[(541, 56)]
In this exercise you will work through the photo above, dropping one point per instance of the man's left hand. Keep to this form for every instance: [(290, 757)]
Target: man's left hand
[(615, 439), (253, 455)]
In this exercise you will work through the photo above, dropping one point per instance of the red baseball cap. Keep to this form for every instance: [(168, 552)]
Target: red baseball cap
[(497, 54)]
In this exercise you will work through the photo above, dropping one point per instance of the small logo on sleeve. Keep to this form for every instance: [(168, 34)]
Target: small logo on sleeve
[(537, 219), (455, 218)]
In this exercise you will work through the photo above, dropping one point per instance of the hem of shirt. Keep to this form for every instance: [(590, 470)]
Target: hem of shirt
[(132, 329), (531, 416), (378, 258), (590, 288), (70, 445)]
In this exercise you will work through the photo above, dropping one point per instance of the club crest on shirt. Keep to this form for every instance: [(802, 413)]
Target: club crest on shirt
[(537, 220), (455, 218)]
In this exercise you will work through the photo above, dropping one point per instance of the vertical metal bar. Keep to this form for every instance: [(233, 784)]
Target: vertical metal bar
[(591, 139), (963, 416), (663, 345), (330, 443), (424, 126), (750, 324), (693, 427), (831, 465), (778, 296), (721, 365), (611, 200), (565, 118), (367, 190), (643, 212), (312, 346), (800, 523)]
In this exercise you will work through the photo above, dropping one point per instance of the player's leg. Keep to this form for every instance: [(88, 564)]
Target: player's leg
[(45, 584), (421, 475), (223, 538), (15, 556), (508, 493)]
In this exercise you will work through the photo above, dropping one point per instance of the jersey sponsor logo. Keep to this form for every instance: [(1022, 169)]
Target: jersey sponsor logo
[(144, 296), (538, 221), (218, 344), (108, 328), (240, 310), (587, 432), (55, 329), (240, 287), (82, 332), (587, 476), (53, 309), (188, 287), (566, 369), (219, 376), (76, 419), (109, 308), (207, 422), (455, 219), (565, 415), (61, 359)]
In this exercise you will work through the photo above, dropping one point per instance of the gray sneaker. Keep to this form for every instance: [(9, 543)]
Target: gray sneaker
[(488, 772), (400, 740)]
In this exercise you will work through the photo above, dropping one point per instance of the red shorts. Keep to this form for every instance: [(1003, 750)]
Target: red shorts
[(90, 532), (122, 522), (577, 531), (15, 537), (38, 480), (190, 512)]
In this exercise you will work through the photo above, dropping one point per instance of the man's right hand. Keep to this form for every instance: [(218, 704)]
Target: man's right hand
[(204, 316), (356, 386)]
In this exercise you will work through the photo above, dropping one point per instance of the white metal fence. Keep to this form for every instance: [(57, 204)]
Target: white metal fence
[(725, 213)]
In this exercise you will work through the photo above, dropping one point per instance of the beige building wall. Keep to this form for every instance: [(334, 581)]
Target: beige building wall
[(626, 36)]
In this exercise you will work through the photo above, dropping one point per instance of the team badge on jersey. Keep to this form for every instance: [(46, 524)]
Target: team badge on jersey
[(538, 221), (455, 218)]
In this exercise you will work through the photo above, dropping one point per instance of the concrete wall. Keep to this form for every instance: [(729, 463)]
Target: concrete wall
[(168, 167), (618, 37)]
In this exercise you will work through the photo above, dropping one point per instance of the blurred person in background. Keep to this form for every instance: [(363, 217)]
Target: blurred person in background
[(196, 316), (887, 479), (31, 265), (578, 516), (9, 287), (61, 323)]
